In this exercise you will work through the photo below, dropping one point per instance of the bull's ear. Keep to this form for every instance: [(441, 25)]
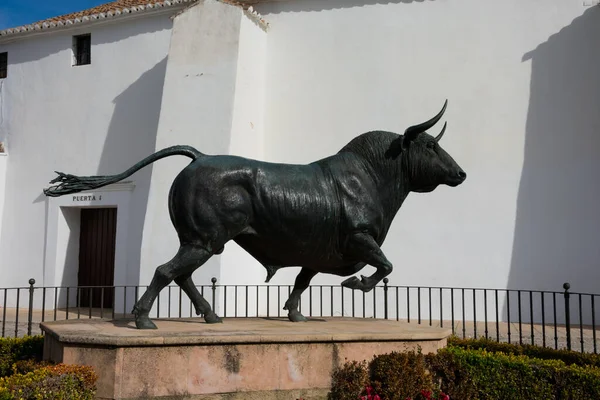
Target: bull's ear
[(397, 147)]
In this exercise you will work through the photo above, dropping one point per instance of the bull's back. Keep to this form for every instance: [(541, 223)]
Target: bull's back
[(296, 216), (286, 214)]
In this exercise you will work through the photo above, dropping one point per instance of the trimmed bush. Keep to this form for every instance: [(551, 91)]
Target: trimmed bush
[(567, 356), (509, 376), (23, 376), (452, 375), (13, 350), (25, 366), (500, 376), (409, 376), (59, 382), (351, 380), (468, 374)]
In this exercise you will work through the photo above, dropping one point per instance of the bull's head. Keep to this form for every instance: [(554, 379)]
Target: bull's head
[(426, 163)]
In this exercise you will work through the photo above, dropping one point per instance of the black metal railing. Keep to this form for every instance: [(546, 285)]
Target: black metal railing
[(545, 318)]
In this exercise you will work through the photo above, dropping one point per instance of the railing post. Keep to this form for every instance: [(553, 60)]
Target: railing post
[(214, 290), (30, 312), (567, 286), (385, 297)]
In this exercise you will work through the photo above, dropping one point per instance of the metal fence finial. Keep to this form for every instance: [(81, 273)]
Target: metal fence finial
[(30, 310), (566, 294)]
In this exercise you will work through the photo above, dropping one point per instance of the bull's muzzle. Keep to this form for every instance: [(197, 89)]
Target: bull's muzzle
[(457, 177)]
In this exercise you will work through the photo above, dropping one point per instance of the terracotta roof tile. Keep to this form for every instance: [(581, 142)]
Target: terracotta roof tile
[(103, 8), (104, 11), (112, 9)]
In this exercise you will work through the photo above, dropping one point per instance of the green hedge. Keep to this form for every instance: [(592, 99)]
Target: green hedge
[(568, 356), (468, 374), (488, 375), (13, 350)]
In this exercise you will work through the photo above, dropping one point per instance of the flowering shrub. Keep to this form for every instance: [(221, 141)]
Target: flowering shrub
[(428, 395), (370, 396), (59, 382), (465, 374), (350, 381), (23, 376)]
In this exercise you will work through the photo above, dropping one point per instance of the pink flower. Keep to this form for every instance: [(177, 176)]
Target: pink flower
[(426, 394), (369, 396), (444, 396)]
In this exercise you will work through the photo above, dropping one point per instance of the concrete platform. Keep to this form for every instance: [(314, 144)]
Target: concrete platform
[(266, 358)]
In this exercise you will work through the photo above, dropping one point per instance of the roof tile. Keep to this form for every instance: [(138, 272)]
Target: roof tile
[(103, 8), (111, 9)]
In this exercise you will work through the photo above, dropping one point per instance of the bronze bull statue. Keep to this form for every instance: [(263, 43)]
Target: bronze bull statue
[(329, 216)]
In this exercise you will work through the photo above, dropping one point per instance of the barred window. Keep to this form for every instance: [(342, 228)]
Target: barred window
[(82, 49), (3, 65)]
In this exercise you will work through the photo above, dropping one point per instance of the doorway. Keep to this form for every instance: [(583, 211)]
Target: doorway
[(97, 241)]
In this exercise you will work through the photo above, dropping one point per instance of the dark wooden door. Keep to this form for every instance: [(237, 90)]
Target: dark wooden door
[(97, 256)]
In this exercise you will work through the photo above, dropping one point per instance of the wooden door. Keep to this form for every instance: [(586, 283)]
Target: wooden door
[(97, 256)]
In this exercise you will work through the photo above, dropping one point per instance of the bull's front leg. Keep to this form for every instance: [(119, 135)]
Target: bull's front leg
[(302, 281), (364, 247)]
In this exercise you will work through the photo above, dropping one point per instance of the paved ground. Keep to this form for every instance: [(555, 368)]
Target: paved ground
[(541, 336)]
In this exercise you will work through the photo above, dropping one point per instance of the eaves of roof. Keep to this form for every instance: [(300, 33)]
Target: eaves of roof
[(109, 11)]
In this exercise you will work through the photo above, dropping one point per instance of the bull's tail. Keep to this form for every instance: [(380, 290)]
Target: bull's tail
[(73, 184)]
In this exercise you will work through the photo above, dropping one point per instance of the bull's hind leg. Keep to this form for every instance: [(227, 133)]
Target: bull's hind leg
[(187, 259), (364, 247), (302, 281), (200, 304)]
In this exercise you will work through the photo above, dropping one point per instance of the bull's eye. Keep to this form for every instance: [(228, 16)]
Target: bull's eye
[(430, 145)]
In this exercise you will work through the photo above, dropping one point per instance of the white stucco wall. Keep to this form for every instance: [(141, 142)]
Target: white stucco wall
[(4, 155), (525, 217), (247, 131), (86, 120), (522, 87), (3, 163), (202, 107)]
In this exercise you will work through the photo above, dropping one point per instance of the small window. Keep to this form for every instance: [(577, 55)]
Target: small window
[(3, 65), (82, 49)]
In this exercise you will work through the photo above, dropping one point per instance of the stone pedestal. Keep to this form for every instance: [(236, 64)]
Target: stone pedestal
[(262, 358)]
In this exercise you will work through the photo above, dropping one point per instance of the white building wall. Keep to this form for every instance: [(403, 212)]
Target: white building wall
[(247, 140), (209, 103), (521, 88), (3, 163), (237, 266), (85, 120)]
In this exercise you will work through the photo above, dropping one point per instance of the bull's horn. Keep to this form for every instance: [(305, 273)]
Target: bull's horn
[(438, 137), (415, 130)]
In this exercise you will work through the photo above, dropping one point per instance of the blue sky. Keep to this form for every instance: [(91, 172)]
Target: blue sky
[(21, 12)]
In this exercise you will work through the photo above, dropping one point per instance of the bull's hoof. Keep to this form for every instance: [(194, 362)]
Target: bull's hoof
[(358, 284), (144, 323), (353, 283), (212, 318), (295, 316)]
